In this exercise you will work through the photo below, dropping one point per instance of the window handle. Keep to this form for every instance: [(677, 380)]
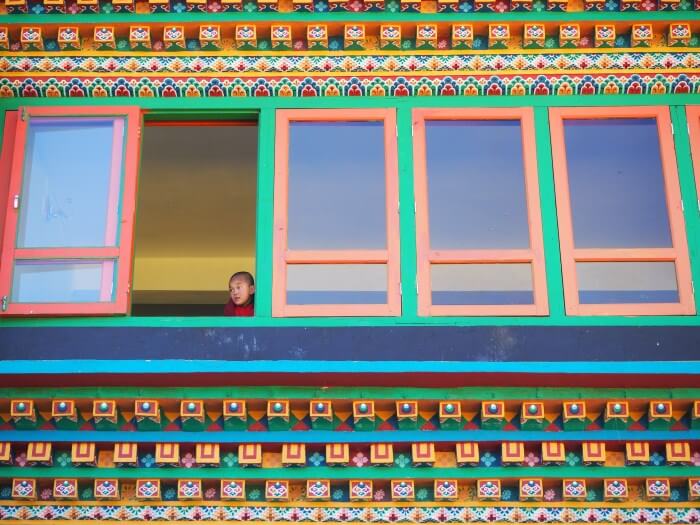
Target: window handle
[(15, 202), (4, 303)]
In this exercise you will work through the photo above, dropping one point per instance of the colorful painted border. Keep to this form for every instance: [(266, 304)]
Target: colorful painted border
[(471, 85), (586, 513), (247, 67)]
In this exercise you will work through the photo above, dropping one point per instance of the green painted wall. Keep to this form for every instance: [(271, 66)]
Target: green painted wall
[(265, 109)]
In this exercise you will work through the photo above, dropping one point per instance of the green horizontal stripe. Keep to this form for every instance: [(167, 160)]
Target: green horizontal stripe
[(341, 473), (243, 16)]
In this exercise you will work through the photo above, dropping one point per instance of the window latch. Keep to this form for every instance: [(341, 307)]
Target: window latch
[(4, 303), (15, 202)]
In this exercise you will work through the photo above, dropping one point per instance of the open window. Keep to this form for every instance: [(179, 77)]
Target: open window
[(623, 241), (336, 213), (68, 233), (479, 232), (195, 217)]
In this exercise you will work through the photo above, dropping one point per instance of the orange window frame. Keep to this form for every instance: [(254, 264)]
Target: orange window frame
[(8, 148), (678, 253), (427, 257), (693, 116), (283, 257), (122, 203)]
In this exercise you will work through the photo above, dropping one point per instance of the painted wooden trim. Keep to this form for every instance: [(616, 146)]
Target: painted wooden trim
[(10, 233), (480, 256), (264, 230), (114, 183), (693, 116), (624, 254), (279, 247), (570, 255), (126, 166), (426, 256), (283, 256), (336, 256), (8, 145), (66, 253), (112, 224)]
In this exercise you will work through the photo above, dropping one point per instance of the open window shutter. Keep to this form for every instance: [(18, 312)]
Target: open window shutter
[(68, 232)]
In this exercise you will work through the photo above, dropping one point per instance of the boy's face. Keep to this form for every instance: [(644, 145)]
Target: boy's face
[(241, 291)]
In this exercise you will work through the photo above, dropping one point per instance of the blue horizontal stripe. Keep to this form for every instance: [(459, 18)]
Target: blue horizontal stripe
[(166, 366)]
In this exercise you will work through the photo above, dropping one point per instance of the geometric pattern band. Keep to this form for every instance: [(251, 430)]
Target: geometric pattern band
[(339, 85), (523, 63)]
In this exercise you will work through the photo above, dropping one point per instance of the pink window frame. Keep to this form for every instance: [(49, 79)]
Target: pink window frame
[(121, 204), (693, 116), (283, 257), (678, 253), (427, 257)]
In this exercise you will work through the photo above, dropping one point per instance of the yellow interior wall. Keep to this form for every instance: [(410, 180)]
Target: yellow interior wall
[(195, 218), (175, 273)]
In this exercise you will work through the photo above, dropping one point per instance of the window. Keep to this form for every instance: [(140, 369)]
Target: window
[(195, 218), (623, 243), (693, 114), (67, 247), (336, 213), (479, 232)]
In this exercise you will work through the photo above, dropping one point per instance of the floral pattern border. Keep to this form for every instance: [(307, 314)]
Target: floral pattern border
[(337, 86), (339, 64)]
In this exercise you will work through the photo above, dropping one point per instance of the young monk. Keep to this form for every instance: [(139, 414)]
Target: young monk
[(241, 289)]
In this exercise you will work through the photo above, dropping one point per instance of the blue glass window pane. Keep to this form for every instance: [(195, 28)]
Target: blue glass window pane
[(618, 199), (62, 281), (627, 282), (336, 284), (481, 284), (66, 184), (476, 185), (337, 186)]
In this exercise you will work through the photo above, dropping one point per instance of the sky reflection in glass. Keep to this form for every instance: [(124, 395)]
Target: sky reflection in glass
[(61, 281), (476, 185), (618, 199), (66, 184), (337, 187)]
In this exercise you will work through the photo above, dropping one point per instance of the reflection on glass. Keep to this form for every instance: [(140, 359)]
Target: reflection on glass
[(616, 183), (63, 281), (67, 175), (336, 284), (476, 184), (337, 186), (481, 284), (627, 282)]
